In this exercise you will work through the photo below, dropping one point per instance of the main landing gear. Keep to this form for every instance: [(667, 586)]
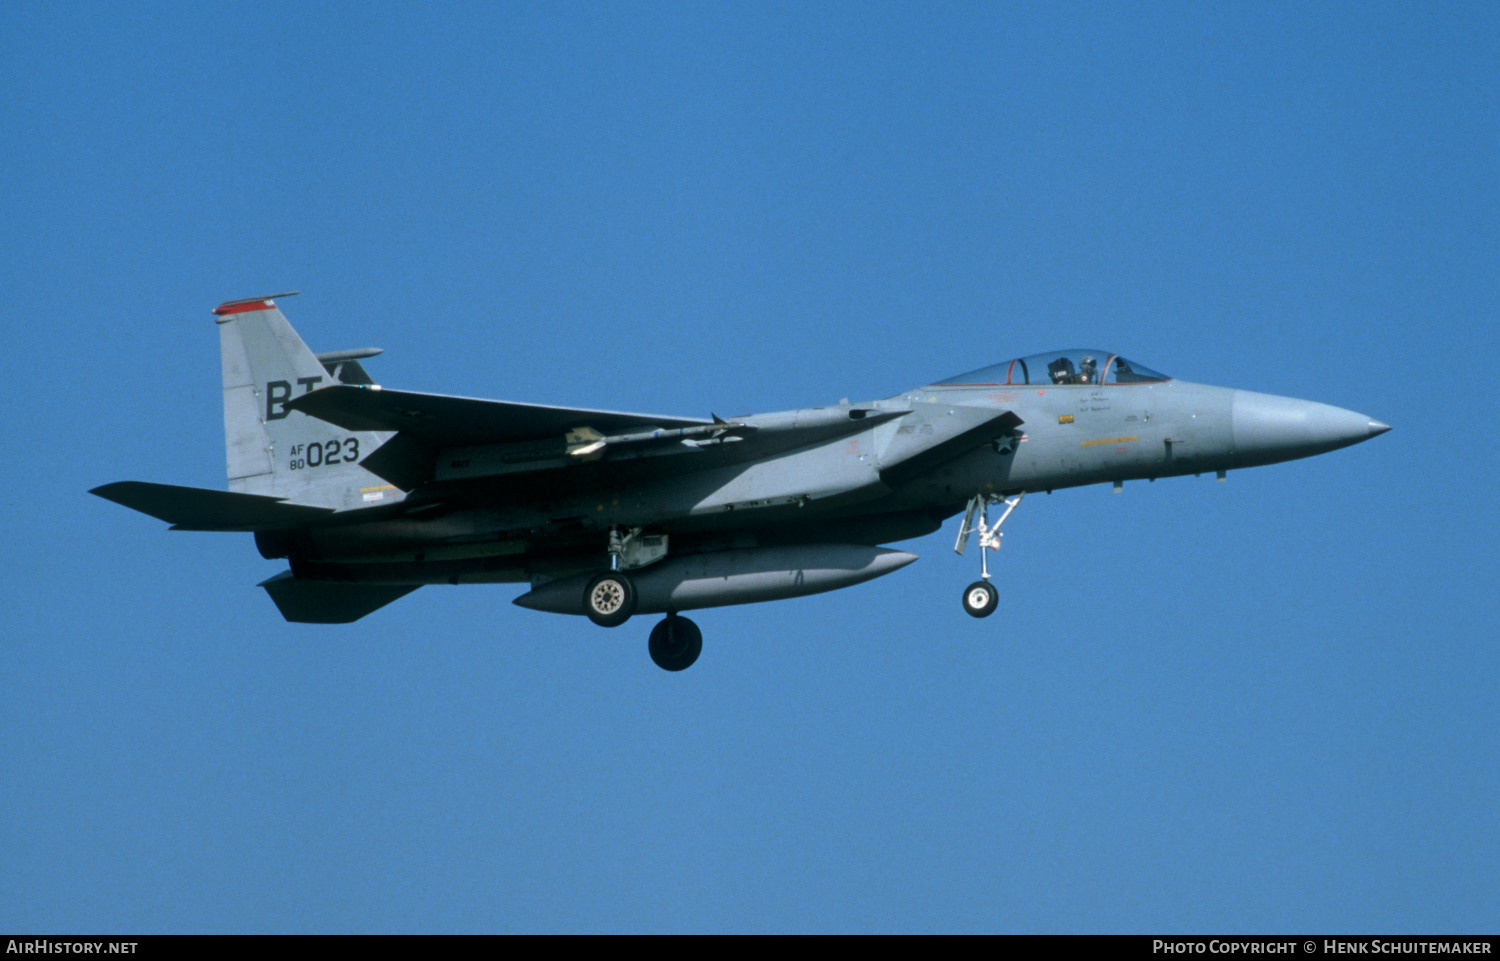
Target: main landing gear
[(981, 598), (675, 643), (609, 600)]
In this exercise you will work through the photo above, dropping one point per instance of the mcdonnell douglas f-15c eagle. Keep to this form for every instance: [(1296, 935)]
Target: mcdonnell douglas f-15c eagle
[(371, 493)]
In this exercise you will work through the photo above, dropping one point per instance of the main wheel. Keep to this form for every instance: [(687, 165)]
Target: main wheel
[(981, 599), (675, 643), (609, 600)]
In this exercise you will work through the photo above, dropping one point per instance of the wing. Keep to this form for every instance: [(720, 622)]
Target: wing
[(440, 421)]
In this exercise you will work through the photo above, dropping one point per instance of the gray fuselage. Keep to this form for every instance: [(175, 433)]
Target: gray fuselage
[(852, 478)]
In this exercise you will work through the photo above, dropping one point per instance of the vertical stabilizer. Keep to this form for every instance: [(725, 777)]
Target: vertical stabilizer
[(278, 452)]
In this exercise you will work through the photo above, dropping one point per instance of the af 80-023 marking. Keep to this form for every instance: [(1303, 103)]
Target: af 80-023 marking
[(329, 452)]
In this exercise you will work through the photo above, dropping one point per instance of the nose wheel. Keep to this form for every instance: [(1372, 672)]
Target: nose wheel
[(981, 599)]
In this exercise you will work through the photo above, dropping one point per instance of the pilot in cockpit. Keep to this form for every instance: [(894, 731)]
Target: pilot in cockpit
[(1088, 371)]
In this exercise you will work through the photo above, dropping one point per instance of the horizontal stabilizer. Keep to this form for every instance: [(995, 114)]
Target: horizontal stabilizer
[(443, 421), (330, 602), (197, 509)]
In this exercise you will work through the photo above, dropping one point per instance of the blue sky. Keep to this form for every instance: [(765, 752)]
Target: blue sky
[(1264, 705)]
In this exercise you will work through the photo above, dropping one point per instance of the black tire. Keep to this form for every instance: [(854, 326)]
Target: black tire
[(675, 643), (981, 599), (609, 600)]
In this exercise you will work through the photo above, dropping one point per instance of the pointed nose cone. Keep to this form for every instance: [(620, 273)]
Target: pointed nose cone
[(1269, 429)]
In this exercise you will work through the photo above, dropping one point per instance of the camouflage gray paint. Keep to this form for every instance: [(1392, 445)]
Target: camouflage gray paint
[(371, 493)]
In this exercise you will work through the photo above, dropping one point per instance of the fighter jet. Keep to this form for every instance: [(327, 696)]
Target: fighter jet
[(370, 493)]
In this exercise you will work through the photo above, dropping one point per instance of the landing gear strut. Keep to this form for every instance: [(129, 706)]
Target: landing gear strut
[(980, 597), (675, 643)]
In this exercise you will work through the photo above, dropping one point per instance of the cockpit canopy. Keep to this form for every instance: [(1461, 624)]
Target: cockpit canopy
[(1057, 369)]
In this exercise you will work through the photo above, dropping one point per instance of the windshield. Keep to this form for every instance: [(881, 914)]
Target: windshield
[(1057, 369)]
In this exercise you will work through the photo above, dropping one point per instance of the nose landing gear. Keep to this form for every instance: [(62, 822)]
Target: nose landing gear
[(980, 598)]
